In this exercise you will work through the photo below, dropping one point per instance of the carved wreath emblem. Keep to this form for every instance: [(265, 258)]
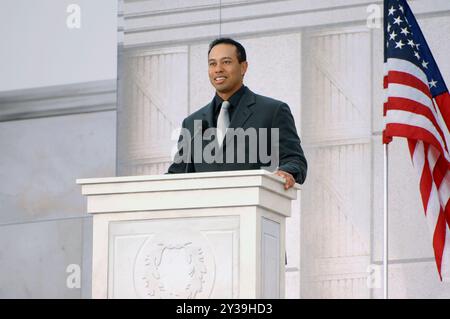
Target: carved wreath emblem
[(173, 268)]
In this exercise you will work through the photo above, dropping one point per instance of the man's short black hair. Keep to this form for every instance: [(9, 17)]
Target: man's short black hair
[(240, 51)]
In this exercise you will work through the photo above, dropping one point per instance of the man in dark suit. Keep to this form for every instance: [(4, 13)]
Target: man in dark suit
[(237, 109)]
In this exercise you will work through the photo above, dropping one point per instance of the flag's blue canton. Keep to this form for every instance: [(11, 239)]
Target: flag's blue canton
[(404, 40)]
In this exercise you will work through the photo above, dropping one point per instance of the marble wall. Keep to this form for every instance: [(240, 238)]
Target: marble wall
[(44, 227), (57, 124), (40, 48)]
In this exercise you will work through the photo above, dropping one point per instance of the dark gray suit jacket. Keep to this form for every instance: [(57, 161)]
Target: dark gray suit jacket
[(254, 111)]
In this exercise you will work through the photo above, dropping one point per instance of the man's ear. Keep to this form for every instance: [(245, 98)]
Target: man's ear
[(244, 66)]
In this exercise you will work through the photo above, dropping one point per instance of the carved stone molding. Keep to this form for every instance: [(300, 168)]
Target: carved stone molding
[(162, 23), (58, 100)]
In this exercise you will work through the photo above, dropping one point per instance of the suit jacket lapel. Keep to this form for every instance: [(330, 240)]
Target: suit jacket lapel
[(243, 112), (208, 113)]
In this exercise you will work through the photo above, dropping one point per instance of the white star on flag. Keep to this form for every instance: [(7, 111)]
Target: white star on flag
[(399, 44), (392, 36), (398, 20), (432, 83), (405, 31), (391, 11)]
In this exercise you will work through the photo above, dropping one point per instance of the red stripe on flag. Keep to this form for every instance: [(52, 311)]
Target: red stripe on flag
[(413, 132), (425, 180), (439, 171), (412, 146), (385, 139), (443, 103), (402, 104), (439, 240), (409, 80), (447, 213)]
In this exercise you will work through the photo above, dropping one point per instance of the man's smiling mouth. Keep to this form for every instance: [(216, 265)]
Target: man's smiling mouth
[(219, 79)]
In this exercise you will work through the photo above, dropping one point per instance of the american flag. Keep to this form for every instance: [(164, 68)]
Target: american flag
[(417, 106)]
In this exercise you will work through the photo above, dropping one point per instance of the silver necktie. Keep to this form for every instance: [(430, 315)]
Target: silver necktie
[(223, 121)]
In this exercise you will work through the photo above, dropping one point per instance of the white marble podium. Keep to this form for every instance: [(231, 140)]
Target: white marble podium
[(198, 235)]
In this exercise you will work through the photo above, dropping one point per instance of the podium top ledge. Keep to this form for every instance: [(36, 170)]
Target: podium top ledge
[(216, 174)]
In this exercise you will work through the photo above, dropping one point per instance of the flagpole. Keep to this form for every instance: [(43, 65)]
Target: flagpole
[(385, 224)]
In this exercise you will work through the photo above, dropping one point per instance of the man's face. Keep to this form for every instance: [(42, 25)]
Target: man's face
[(226, 74)]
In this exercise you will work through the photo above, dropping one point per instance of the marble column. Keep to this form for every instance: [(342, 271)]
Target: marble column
[(336, 210), (154, 101)]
